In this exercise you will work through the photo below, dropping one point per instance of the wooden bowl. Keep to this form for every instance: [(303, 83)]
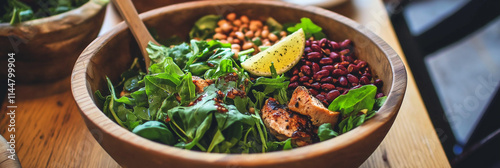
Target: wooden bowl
[(46, 48), (111, 54), (146, 5)]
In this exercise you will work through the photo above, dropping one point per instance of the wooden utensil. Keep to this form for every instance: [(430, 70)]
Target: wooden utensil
[(136, 26)]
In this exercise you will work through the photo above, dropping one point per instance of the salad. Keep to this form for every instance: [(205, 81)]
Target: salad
[(245, 86), (16, 11)]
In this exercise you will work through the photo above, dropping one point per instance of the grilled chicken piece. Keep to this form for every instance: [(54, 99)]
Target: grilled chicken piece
[(200, 83), (302, 102), (284, 124)]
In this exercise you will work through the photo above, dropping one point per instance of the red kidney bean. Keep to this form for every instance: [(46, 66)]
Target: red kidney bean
[(356, 61), (327, 79), (334, 45), (344, 51), (335, 56), (321, 74), (305, 69), (294, 78), (337, 65), (368, 75), (320, 97), (330, 68), (313, 92), (314, 56), (352, 79), (327, 51), (355, 87), (332, 95), (307, 50), (315, 47), (306, 84), (341, 89), (345, 91), (337, 72), (326, 61), (349, 59), (334, 80), (364, 80), (352, 68), (308, 43), (301, 74), (316, 85), (315, 67), (323, 43), (314, 42), (295, 71), (343, 81), (362, 64), (378, 83), (344, 64), (346, 43), (379, 95), (293, 85), (327, 86), (304, 79), (309, 63)]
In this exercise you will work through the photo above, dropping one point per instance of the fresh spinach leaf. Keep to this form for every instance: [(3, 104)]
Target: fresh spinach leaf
[(155, 130), (186, 89), (325, 132), (355, 100)]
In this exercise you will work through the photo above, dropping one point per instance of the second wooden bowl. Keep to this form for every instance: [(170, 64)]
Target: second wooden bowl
[(112, 54), (46, 48)]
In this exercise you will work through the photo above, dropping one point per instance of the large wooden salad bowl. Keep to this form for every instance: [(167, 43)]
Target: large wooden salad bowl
[(113, 53)]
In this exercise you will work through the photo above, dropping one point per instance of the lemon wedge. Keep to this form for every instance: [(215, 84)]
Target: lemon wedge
[(285, 54)]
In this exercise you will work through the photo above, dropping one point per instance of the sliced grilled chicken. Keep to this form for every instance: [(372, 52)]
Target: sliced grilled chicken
[(302, 102), (200, 83), (284, 124)]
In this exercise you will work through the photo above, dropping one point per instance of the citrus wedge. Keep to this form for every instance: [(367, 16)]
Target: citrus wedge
[(285, 54)]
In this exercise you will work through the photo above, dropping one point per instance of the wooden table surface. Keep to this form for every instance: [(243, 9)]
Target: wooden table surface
[(51, 133)]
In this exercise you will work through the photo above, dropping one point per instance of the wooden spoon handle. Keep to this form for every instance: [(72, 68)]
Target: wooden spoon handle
[(139, 30)]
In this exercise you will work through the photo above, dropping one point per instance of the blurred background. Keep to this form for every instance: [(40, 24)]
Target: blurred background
[(453, 50)]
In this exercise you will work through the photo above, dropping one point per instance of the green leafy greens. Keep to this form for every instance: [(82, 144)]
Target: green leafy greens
[(163, 105), (356, 106)]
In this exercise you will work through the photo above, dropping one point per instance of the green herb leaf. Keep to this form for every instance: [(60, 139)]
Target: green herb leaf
[(156, 131), (355, 100), (310, 29), (325, 132)]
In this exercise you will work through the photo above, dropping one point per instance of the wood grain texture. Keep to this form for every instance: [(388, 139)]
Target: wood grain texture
[(411, 142), (47, 48), (131, 150)]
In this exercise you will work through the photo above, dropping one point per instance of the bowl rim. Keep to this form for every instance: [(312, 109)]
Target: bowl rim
[(92, 7), (387, 112)]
